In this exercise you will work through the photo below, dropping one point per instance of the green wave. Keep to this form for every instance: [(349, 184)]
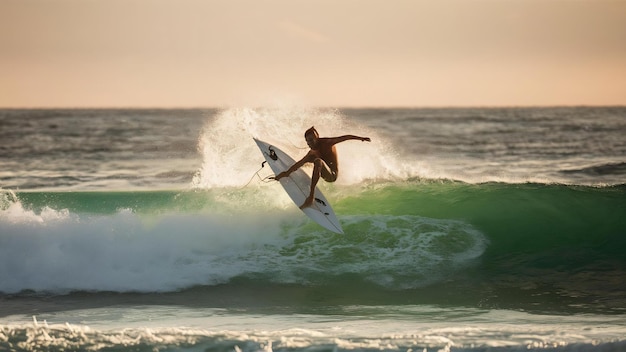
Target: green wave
[(524, 246), (516, 218)]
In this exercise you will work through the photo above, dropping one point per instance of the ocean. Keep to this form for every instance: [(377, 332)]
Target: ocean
[(466, 229)]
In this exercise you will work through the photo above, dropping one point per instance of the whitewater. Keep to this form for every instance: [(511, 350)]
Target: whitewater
[(497, 229)]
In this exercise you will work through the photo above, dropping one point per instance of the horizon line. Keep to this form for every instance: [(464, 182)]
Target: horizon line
[(224, 107)]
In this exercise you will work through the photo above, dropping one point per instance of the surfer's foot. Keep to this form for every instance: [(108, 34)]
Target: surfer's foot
[(307, 203)]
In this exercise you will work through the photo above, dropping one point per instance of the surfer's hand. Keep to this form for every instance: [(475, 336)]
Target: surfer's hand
[(279, 176)]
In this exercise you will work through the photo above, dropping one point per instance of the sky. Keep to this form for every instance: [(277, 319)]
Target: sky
[(330, 53)]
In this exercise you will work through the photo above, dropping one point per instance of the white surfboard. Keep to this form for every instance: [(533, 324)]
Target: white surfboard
[(298, 185)]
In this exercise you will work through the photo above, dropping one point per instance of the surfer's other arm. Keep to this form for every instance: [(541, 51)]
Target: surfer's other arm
[(294, 167)]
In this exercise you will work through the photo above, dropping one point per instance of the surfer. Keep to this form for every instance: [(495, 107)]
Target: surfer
[(323, 155)]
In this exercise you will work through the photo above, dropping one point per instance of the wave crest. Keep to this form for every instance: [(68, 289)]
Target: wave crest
[(230, 157)]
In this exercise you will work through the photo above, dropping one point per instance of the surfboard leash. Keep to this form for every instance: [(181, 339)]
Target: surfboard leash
[(265, 179)]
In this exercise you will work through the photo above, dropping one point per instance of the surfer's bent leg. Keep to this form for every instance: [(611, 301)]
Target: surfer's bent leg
[(318, 166), (327, 175)]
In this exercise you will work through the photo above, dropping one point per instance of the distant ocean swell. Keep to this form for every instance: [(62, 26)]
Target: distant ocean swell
[(414, 240)]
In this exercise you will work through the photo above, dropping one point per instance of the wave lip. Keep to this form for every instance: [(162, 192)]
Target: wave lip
[(230, 161)]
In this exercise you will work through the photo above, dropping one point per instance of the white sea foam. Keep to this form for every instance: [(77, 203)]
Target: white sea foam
[(182, 328), (124, 251), (12, 211), (60, 251), (392, 251)]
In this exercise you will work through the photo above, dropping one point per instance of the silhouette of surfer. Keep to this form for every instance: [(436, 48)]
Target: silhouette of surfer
[(323, 155)]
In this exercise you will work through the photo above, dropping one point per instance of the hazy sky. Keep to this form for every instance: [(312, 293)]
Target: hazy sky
[(194, 53)]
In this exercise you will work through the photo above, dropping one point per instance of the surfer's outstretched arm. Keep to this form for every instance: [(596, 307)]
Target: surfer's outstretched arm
[(348, 137)]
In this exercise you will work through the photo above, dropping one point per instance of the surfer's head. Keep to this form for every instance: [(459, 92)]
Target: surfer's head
[(311, 136)]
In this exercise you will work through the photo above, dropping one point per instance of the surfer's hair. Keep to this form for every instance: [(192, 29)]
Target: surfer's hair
[(311, 130)]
